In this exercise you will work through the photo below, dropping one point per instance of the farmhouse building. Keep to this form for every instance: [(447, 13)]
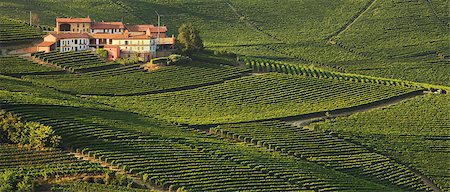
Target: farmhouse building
[(120, 40)]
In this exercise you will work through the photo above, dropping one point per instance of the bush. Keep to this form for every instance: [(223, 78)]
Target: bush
[(178, 60), (127, 61), (31, 134), (102, 53)]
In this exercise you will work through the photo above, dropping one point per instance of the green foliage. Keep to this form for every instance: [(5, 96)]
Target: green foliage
[(17, 65), (159, 61), (331, 151), (30, 134), (102, 53), (80, 61), (94, 187), (127, 61), (413, 132), (12, 30), (178, 60), (189, 39), (257, 97), (133, 80)]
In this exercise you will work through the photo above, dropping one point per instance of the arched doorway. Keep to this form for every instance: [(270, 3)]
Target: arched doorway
[(64, 27)]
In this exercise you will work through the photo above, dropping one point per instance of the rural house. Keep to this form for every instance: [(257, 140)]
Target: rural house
[(120, 40)]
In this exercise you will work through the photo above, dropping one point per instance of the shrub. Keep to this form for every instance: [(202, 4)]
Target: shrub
[(178, 60), (102, 53), (31, 134)]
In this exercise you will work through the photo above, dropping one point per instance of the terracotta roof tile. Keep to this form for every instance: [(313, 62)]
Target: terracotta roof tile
[(143, 28), (107, 25), (69, 35), (73, 20), (45, 44)]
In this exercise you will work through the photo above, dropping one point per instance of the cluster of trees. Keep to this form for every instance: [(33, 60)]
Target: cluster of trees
[(29, 134), (189, 41)]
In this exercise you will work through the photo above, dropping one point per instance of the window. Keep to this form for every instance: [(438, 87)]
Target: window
[(76, 41), (126, 42)]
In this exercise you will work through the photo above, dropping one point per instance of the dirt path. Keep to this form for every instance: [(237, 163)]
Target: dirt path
[(352, 20), (138, 180), (304, 120)]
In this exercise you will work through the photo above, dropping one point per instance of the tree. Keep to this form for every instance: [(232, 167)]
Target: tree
[(102, 53), (189, 40)]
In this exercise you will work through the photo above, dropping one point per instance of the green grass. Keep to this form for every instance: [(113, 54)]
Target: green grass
[(414, 132), (133, 80), (17, 65), (255, 98)]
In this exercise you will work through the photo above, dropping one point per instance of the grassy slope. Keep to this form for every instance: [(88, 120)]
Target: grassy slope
[(31, 94), (414, 132), (255, 98), (300, 172), (406, 30), (12, 65), (134, 80)]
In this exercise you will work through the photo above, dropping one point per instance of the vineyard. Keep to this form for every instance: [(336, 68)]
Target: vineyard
[(325, 150), (364, 82), (12, 30), (414, 132), (178, 157), (16, 65), (131, 79), (49, 163), (72, 61), (255, 98)]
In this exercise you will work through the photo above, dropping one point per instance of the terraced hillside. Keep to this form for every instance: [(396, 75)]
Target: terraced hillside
[(130, 80), (255, 98), (325, 150), (80, 61), (50, 163), (414, 132), (178, 157), (13, 65), (206, 126), (12, 30), (393, 39)]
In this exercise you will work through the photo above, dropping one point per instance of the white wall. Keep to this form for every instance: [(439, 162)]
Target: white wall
[(74, 44), (110, 31)]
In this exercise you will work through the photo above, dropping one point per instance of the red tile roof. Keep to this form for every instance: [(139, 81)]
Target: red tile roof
[(45, 44), (112, 46), (69, 35), (143, 28), (107, 25), (73, 20), (107, 36)]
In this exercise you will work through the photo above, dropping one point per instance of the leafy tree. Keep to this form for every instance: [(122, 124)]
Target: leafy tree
[(8, 181), (189, 40), (31, 134), (102, 53), (41, 136)]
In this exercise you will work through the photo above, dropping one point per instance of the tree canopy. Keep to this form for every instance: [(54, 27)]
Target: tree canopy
[(189, 40)]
